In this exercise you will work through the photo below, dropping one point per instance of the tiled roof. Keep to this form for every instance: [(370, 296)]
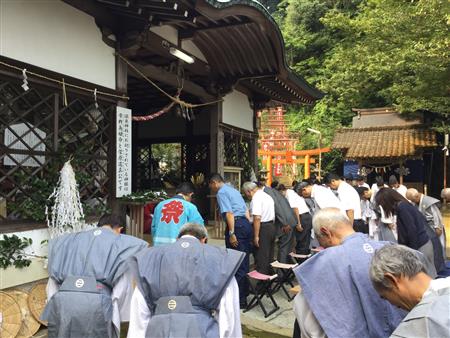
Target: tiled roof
[(384, 142)]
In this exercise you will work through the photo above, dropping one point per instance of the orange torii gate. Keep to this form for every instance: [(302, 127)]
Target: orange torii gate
[(301, 157)]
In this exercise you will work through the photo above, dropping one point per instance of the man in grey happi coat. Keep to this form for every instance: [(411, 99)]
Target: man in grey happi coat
[(400, 277), (90, 287), (186, 289), (429, 207), (285, 221)]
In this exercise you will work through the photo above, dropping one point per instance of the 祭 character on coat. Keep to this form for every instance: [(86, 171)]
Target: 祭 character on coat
[(171, 214), (90, 287), (186, 289)]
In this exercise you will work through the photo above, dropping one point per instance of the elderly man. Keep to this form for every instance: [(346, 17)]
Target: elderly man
[(90, 285), (239, 230), (171, 214), (400, 277), (350, 201), (429, 207), (186, 289), (262, 209), (337, 298), (445, 195)]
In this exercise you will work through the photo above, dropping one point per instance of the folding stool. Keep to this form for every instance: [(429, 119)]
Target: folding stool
[(264, 289), (285, 274), (299, 258)]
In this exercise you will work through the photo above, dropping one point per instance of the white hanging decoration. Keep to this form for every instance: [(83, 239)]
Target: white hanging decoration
[(66, 215), (25, 80), (403, 171)]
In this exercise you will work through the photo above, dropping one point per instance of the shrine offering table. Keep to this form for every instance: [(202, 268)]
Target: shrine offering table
[(219, 224), (136, 215)]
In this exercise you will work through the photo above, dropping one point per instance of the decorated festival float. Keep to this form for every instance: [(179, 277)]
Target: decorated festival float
[(278, 150)]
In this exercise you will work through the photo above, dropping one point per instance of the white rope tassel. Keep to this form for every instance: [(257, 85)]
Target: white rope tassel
[(25, 80), (95, 98), (67, 214)]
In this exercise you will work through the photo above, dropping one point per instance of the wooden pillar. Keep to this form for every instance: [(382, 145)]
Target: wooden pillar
[(269, 170), (220, 151), (121, 86), (307, 171), (213, 129), (254, 153), (401, 171)]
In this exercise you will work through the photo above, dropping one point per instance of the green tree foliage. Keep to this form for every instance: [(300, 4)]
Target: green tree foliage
[(367, 53), (393, 53)]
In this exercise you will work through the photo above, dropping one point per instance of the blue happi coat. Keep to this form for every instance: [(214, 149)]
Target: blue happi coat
[(337, 287), (168, 218)]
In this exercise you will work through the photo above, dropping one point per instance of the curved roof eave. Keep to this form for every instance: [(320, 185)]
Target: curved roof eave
[(265, 19)]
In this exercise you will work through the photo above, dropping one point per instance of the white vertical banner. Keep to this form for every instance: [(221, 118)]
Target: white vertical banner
[(123, 152)]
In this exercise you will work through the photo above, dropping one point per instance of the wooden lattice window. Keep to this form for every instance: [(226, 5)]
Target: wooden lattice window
[(237, 153), (37, 134), (195, 159)]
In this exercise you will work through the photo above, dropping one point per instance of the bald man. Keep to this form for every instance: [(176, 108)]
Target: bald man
[(445, 194), (337, 298), (430, 208)]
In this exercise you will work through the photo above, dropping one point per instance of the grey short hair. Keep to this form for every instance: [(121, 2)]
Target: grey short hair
[(445, 193), (193, 229), (249, 186), (397, 260), (329, 218)]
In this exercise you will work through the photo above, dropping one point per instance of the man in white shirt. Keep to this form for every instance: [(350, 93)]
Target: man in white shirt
[(360, 182), (379, 183), (262, 210), (399, 276), (400, 188), (169, 301), (304, 219), (321, 196), (350, 201)]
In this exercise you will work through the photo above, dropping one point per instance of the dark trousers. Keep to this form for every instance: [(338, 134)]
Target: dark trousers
[(265, 253), (244, 234), (360, 226), (303, 238), (285, 244), (297, 333)]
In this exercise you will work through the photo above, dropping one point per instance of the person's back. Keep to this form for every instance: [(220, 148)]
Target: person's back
[(349, 306), (336, 286), (85, 267), (183, 283), (170, 215), (325, 198)]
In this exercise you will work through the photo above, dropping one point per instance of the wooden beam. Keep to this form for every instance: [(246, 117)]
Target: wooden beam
[(294, 152), (189, 33), (170, 79), (160, 46), (300, 160), (102, 15)]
